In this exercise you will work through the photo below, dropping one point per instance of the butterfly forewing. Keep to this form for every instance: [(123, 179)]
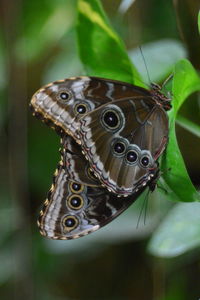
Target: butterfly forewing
[(60, 104)]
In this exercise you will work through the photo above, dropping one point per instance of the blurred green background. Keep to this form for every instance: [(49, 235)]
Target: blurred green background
[(159, 260)]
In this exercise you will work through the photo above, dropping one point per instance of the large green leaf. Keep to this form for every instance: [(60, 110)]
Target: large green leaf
[(185, 82), (101, 50), (160, 57), (178, 233)]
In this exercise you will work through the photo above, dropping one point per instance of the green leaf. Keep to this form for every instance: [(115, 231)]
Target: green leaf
[(101, 50), (178, 233), (188, 125), (185, 82), (160, 57), (199, 21)]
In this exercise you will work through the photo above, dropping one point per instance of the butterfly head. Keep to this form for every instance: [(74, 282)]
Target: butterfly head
[(159, 97)]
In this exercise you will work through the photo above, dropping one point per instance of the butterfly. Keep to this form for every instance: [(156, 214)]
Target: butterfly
[(112, 136)]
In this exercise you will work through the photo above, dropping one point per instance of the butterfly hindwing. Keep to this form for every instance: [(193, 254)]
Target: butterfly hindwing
[(123, 140), (75, 163), (74, 209)]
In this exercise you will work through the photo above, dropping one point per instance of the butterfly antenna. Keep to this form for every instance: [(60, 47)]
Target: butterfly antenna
[(144, 61), (144, 207), (167, 79), (164, 85)]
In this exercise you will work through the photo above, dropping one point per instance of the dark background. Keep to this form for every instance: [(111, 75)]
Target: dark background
[(38, 45)]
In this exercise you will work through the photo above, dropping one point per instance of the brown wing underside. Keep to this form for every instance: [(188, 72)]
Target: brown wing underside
[(145, 129), (89, 91)]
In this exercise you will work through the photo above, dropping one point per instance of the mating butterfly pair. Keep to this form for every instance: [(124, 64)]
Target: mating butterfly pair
[(112, 136)]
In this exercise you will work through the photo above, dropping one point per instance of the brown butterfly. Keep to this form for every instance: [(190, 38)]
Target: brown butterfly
[(122, 130)]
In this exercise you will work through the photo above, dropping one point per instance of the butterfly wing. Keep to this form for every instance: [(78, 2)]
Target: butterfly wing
[(74, 209), (75, 163), (122, 141), (60, 104)]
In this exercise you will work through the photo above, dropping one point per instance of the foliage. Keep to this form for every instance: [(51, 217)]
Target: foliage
[(179, 231), (42, 36), (101, 50)]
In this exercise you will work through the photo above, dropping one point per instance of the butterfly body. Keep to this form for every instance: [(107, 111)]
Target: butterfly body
[(112, 136)]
